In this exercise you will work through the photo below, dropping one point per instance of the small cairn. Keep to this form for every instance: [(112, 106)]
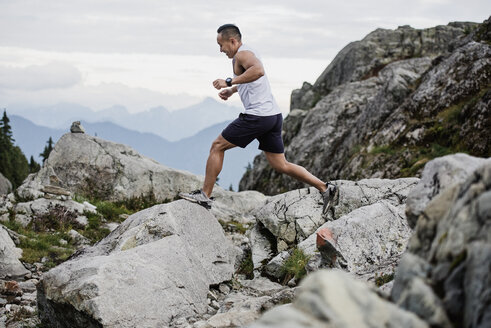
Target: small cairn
[(77, 127)]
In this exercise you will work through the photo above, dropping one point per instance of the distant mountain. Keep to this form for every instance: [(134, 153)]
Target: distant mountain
[(171, 125), (188, 154)]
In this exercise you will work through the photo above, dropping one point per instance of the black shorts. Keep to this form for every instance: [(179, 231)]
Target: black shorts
[(266, 129)]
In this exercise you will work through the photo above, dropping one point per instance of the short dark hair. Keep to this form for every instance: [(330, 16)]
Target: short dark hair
[(230, 30)]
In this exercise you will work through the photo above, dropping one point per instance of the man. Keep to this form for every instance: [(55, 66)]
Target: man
[(261, 120)]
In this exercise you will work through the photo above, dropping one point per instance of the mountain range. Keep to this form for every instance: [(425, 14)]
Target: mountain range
[(188, 154), (170, 125)]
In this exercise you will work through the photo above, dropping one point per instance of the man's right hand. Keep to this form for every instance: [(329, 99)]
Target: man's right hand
[(225, 93)]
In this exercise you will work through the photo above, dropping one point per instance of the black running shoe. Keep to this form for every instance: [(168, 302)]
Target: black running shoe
[(197, 196), (329, 196)]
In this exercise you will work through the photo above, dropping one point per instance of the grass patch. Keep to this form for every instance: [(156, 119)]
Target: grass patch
[(94, 230), (383, 279), (233, 226), (294, 266), (247, 266), (37, 245), (112, 211), (462, 256), (386, 149)]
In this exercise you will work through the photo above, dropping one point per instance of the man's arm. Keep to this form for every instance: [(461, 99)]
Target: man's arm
[(226, 93), (253, 70)]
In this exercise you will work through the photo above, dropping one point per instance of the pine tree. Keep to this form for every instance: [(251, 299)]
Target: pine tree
[(13, 163), (6, 128), (5, 146), (20, 165), (33, 165), (47, 150)]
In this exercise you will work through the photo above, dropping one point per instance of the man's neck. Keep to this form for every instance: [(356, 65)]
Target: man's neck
[(238, 47)]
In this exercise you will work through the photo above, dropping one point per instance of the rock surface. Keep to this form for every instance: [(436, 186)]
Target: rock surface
[(5, 185), (9, 257), (439, 174), (102, 169), (386, 105), (360, 220), (154, 267), (333, 299), (445, 275)]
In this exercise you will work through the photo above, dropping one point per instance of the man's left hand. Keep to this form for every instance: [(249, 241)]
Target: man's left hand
[(219, 84)]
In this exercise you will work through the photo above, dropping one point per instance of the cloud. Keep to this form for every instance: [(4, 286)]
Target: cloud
[(285, 28), (54, 75)]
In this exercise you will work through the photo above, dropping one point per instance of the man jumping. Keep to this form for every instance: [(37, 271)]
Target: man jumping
[(261, 120)]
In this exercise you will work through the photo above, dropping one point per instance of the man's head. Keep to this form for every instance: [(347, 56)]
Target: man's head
[(229, 39)]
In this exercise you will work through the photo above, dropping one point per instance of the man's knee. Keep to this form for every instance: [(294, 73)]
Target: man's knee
[(279, 166), (219, 144)]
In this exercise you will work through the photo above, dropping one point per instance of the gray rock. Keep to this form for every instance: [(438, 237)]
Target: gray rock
[(438, 175), (451, 244), (42, 206), (82, 220), (292, 218), (6, 203), (341, 121), (111, 226), (242, 307), (5, 185), (24, 220), (77, 127), (330, 298), (382, 46), (304, 98), (156, 266), (369, 241), (102, 169), (55, 190), (263, 245), (78, 239), (378, 113), (9, 257), (236, 206)]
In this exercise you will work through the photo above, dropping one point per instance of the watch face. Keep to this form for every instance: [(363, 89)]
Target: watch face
[(229, 81)]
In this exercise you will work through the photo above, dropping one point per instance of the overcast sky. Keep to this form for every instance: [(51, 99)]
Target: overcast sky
[(142, 54)]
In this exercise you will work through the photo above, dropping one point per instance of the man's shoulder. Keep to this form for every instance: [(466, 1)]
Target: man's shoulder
[(245, 51)]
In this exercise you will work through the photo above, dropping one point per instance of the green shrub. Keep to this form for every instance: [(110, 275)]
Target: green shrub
[(294, 266), (247, 266), (383, 279)]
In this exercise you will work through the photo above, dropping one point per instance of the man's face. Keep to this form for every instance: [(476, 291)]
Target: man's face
[(226, 46)]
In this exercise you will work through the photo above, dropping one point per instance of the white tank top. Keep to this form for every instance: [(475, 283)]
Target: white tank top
[(256, 96)]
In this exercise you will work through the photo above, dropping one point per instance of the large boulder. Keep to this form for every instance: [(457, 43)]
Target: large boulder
[(330, 298), (9, 257), (362, 59), (367, 242), (5, 185), (439, 174), (445, 275), (336, 127), (156, 266), (360, 219), (98, 168), (387, 105)]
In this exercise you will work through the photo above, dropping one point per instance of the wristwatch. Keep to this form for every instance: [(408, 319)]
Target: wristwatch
[(229, 81)]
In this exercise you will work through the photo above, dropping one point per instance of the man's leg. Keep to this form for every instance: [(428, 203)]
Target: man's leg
[(280, 164), (215, 162)]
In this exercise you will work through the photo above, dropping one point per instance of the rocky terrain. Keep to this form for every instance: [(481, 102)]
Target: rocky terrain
[(177, 264), (388, 104), (97, 238)]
